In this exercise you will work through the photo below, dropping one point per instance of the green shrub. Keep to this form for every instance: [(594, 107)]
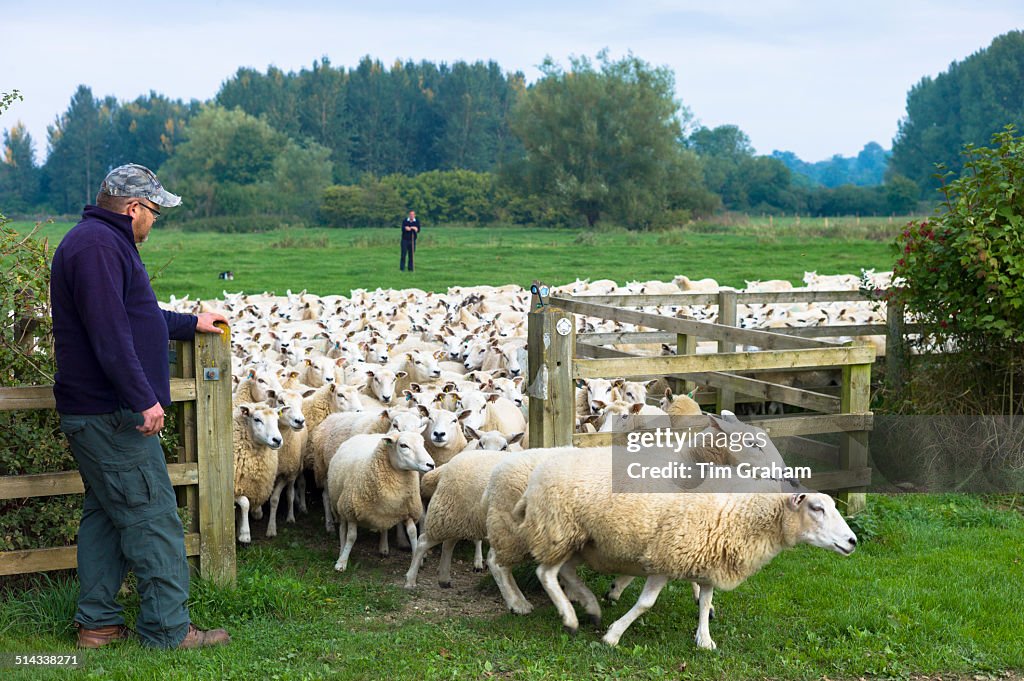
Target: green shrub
[(963, 273), (31, 441), (964, 268)]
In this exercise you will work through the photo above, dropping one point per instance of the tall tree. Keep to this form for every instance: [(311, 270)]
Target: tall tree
[(19, 175), (234, 163), (80, 150), (967, 104), (603, 141)]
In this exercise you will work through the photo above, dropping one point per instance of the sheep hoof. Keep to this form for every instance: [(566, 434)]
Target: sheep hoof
[(596, 620), (609, 596), (384, 554), (524, 608), (478, 569), (340, 567), (570, 630), (445, 585)]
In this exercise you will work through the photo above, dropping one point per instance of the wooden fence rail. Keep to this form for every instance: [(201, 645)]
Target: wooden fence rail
[(203, 475), (558, 358)]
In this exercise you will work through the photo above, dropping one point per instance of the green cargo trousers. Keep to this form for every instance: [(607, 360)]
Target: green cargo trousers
[(129, 522)]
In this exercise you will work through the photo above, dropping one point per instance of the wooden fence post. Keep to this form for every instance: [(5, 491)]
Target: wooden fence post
[(686, 344), (727, 316), (855, 398), (188, 496), (895, 347), (213, 417), (551, 344)]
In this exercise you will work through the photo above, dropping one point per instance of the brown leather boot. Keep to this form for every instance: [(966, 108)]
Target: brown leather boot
[(197, 638), (101, 636)]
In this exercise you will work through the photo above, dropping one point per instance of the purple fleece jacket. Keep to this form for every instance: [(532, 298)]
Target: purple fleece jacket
[(110, 336)]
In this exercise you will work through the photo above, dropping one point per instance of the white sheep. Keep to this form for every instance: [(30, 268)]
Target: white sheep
[(444, 434), (679, 405), (455, 490), (508, 547), (569, 512), (292, 424), (257, 438), (339, 427), (373, 481)]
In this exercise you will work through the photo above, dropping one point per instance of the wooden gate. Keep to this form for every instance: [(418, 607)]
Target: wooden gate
[(203, 474)]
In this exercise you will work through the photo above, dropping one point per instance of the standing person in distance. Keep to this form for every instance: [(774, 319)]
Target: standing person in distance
[(410, 230), (111, 387)]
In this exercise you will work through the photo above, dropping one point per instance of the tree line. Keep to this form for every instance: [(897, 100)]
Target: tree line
[(597, 140)]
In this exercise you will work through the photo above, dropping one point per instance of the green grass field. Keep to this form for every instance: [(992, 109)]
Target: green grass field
[(935, 587), (330, 261)]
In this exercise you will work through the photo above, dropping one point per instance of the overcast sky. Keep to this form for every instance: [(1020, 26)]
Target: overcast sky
[(817, 77)]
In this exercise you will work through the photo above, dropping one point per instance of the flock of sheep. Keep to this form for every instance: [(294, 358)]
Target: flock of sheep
[(408, 409)]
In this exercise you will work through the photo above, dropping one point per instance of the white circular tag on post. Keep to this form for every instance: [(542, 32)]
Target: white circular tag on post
[(563, 326)]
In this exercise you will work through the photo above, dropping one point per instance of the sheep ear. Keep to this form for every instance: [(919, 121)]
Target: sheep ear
[(471, 432), (796, 500), (493, 397), (464, 414), (272, 394), (385, 415), (448, 387), (416, 387), (516, 438), (401, 374), (517, 380), (439, 354), (729, 416), (423, 411), (635, 408), (308, 393), (649, 384), (408, 395), (409, 356), (424, 423), (369, 372), (390, 437), (668, 393), (617, 383)]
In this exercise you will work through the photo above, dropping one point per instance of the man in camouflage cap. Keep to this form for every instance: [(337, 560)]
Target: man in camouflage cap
[(111, 387)]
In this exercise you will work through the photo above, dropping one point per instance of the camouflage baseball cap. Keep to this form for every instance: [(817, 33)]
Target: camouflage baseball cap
[(138, 182)]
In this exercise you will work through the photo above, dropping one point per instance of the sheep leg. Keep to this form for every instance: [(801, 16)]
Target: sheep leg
[(703, 637), (577, 591), (619, 584), (696, 598), (328, 515), (243, 529), (424, 545), (300, 488), (652, 587), (275, 499), (514, 598), (347, 537), (478, 556), (290, 489), (382, 545), (410, 530), (444, 569), (401, 540), (548, 576)]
